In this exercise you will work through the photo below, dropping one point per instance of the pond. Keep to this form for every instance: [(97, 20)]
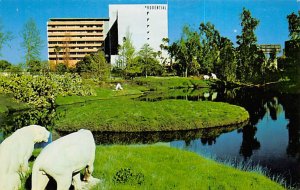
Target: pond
[(271, 138)]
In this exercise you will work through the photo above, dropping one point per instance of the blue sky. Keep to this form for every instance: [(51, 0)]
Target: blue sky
[(224, 14)]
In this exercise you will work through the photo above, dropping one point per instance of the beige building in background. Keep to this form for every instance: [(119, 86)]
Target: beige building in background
[(70, 39)]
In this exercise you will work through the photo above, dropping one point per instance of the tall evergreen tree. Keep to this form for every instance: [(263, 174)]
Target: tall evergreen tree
[(250, 58), (294, 26), (147, 55), (227, 70), (210, 54)]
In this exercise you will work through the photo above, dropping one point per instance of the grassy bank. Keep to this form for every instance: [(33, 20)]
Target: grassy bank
[(156, 167), (125, 115), (161, 167)]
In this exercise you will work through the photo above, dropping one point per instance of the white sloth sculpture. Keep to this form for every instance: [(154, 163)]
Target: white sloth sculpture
[(15, 152), (63, 159)]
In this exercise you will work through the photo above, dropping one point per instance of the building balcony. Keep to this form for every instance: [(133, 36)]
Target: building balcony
[(64, 39), (74, 28), (76, 45)]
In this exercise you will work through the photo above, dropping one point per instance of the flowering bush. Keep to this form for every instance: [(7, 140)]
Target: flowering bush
[(41, 91)]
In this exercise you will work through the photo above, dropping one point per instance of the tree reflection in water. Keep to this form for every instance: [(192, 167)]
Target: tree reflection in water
[(250, 142), (291, 105), (13, 121)]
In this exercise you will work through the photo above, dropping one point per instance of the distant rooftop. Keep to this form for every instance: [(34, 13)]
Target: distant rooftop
[(79, 19)]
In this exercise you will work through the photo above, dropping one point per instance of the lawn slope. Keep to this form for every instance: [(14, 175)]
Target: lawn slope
[(158, 167)]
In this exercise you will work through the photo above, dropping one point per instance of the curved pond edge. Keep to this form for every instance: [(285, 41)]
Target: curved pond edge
[(151, 137)]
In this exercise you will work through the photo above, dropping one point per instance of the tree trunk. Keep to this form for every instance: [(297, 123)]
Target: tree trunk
[(56, 58)]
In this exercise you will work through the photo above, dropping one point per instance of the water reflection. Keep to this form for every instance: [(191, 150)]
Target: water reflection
[(250, 142), (108, 138), (13, 121), (271, 139)]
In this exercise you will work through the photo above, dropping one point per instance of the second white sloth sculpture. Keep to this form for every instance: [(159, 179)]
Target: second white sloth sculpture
[(65, 158)]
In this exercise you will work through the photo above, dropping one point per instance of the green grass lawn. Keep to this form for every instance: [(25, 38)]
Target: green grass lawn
[(160, 167), (102, 93), (123, 114)]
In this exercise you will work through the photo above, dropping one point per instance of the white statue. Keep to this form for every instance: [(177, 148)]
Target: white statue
[(65, 158), (206, 77), (15, 152), (119, 87), (214, 76)]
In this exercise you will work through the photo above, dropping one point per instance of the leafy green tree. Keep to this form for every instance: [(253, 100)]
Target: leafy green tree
[(227, 70), (4, 65), (84, 65), (210, 51), (147, 56), (133, 68), (99, 67), (250, 58), (4, 37), (185, 52), (61, 68), (45, 67), (32, 42), (294, 26), (126, 51), (94, 65), (154, 68), (34, 66)]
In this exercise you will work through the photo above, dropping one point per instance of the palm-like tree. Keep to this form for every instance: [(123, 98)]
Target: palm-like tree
[(57, 49)]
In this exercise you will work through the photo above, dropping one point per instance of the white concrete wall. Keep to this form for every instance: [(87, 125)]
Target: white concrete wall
[(147, 23)]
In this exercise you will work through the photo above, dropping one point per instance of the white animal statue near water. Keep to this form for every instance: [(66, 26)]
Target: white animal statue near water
[(119, 87), (15, 152), (206, 77), (63, 160), (206, 94), (213, 76)]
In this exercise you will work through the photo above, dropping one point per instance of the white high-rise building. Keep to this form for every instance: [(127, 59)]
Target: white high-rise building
[(147, 23)]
